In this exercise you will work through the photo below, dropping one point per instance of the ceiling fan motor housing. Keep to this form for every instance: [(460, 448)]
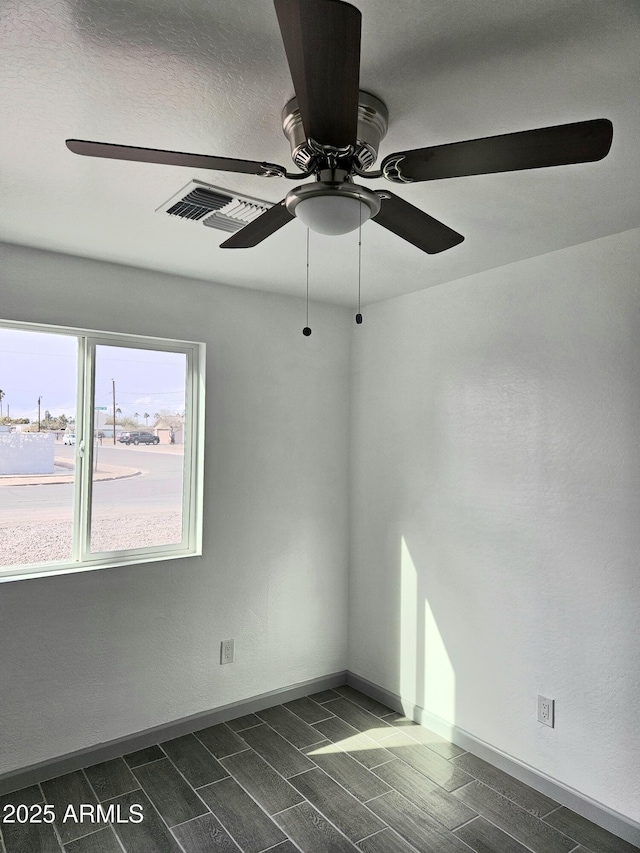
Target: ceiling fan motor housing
[(373, 120)]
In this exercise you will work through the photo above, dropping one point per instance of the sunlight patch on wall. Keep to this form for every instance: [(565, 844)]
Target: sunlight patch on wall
[(427, 677), (439, 677), (408, 627)]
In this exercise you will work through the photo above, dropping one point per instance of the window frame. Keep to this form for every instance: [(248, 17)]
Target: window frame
[(82, 559)]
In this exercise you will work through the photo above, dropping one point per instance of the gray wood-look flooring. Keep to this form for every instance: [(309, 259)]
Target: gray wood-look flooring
[(335, 771)]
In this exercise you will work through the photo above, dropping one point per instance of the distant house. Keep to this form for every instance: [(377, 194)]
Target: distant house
[(107, 431), (164, 425)]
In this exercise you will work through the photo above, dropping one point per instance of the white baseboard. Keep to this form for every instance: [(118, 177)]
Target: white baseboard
[(17, 779), (591, 809)]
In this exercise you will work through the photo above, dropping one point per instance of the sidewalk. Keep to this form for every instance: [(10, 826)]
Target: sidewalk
[(104, 472)]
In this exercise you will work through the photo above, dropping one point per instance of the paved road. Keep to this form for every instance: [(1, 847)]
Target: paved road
[(158, 488)]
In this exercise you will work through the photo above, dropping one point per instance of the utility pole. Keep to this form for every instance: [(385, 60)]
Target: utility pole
[(113, 396), (39, 399)]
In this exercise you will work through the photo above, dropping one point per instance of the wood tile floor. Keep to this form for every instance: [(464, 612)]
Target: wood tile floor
[(333, 772)]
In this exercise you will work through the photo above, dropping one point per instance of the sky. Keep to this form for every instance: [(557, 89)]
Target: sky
[(36, 364)]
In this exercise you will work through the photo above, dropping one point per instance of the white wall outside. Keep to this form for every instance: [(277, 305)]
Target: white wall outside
[(495, 505), (26, 453)]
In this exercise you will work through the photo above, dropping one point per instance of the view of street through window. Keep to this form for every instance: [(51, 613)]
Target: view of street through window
[(137, 475)]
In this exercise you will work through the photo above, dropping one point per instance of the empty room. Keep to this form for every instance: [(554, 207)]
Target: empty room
[(319, 426)]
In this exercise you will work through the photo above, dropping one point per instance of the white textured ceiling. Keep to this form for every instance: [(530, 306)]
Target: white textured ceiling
[(210, 77)]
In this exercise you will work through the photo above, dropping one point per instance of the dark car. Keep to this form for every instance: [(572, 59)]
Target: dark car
[(138, 438)]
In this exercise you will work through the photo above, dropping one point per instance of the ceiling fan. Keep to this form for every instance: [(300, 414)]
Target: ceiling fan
[(335, 130)]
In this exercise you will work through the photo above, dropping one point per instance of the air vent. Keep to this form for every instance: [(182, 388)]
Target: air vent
[(214, 207), (198, 203)]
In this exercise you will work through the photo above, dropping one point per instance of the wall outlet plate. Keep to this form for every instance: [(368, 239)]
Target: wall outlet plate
[(546, 711), (227, 651)]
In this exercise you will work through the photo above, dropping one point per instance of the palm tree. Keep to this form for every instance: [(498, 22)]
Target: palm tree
[(1, 396), (118, 412), (146, 417), (136, 415)]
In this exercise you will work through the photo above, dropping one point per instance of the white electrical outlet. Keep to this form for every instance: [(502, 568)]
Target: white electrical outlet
[(227, 652), (546, 711)]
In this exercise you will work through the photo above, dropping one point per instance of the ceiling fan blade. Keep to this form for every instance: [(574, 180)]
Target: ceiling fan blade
[(322, 42), (415, 225), (580, 142), (172, 158), (261, 228)]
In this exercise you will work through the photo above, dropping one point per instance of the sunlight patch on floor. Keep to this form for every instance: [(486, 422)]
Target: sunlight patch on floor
[(355, 743)]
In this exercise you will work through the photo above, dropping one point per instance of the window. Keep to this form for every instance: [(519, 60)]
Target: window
[(101, 439)]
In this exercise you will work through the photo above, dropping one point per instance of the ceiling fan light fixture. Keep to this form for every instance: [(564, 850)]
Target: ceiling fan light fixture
[(332, 208), (332, 215)]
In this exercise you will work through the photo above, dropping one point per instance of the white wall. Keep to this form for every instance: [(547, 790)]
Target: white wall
[(495, 476), (90, 657), (496, 505)]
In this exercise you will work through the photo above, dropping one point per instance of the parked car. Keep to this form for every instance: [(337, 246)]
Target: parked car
[(138, 438), (69, 439)]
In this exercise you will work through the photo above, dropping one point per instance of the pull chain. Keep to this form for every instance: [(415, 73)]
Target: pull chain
[(307, 330), (359, 315)]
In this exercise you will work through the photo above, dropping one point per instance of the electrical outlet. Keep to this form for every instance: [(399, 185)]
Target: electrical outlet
[(546, 711), (227, 652)]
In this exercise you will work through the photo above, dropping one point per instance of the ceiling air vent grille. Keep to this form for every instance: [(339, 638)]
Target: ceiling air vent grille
[(198, 203), (214, 207)]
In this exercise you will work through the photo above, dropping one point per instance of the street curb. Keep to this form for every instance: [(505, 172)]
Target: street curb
[(115, 473)]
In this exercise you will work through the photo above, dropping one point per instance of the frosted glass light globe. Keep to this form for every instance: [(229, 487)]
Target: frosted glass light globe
[(332, 208), (332, 214)]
